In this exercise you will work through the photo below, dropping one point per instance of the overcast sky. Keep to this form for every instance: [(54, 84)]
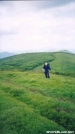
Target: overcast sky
[(28, 26)]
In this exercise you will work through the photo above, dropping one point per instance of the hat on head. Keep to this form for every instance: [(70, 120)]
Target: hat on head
[(45, 63)]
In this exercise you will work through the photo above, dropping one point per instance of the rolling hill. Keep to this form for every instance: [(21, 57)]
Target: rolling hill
[(32, 104), (61, 62)]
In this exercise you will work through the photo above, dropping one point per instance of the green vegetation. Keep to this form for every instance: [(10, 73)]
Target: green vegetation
[(61, 63), (32, 104), (64, 64), (24, 62)]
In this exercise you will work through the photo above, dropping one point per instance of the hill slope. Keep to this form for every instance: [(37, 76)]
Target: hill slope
[(32, 104), (61, 63), (26, 61)]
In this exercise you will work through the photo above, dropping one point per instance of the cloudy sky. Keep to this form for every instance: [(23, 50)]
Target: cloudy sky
[(29, 26)]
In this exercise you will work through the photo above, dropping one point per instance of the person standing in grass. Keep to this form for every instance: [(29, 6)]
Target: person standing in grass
[(46, 68)]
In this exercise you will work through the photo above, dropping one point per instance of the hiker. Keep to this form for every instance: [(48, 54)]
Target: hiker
[(46, 68)]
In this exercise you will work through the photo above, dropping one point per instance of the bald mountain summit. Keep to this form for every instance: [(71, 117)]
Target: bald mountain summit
[(61, 62), (32, 104)]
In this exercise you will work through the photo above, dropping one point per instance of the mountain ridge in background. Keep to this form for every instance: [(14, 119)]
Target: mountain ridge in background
[(8, 54), (5, 54)]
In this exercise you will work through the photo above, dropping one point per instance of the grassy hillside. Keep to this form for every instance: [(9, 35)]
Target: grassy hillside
[(32, 104), (24, 62), (64, 63), (61, 63)]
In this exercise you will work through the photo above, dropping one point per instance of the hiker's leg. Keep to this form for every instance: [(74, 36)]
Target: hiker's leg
[(48, 75)]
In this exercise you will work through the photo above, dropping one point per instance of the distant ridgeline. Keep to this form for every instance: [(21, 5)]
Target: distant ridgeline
[(5, 54), (60, 62)]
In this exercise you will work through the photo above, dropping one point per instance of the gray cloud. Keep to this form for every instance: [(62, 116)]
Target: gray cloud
[(6, 3), (35, 28), (7, 33), (36, 4), (52, 3)]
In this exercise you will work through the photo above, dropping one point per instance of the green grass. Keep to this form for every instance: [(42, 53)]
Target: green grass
[(17, 118), (61, 63), (30, 103), (24, 62), (64, 64)]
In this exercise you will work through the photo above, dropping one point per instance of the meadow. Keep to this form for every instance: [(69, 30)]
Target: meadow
[(33, 104)]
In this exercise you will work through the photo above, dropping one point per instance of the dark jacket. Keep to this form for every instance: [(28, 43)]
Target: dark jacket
[(46, 68)]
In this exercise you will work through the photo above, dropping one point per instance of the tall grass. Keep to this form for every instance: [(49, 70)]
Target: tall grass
[(30, 103)]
